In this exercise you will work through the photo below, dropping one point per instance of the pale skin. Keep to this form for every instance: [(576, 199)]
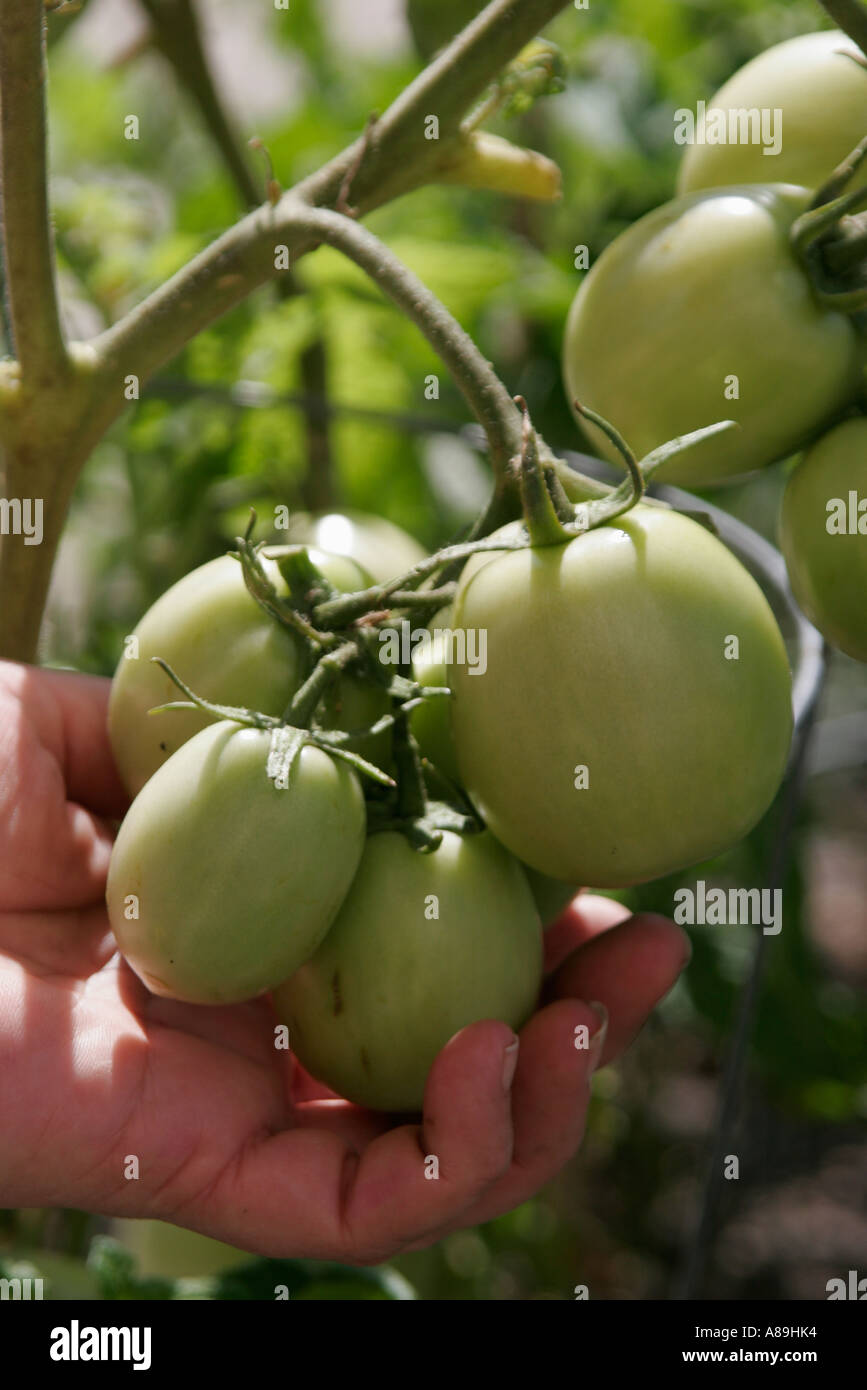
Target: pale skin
[(232, 1138)]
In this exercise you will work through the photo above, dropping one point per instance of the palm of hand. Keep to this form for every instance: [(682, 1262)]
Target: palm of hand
[(230, 1136)]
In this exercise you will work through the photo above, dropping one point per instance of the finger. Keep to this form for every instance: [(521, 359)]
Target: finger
[(308, 1192), (72, 942), (418, 1178), (560, 1049), (70, 713), (55, 854), (628, 969), (584, 918), (356, 1127), (241, 1028)]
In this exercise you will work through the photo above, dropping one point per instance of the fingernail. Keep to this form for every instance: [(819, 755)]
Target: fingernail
[(510, 1062), (597, 1039)]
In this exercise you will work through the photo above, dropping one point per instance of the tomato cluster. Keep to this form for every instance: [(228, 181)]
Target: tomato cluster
[(631, 715), (377, 838), (743, 299), (224, 881)]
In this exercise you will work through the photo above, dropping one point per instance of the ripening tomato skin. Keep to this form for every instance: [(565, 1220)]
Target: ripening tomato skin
[(822, 95), (423, 945), (828, 569), (698, 300), (614, 653), (235, 881), (214, 635)]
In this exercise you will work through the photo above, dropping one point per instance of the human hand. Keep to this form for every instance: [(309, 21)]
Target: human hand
[(230, 1136)]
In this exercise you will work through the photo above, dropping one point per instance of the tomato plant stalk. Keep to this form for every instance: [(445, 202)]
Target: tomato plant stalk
[(51, 412)]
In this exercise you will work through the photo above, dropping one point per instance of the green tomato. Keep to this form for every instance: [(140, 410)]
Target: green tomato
[(550, 895), (698, 300), (221, 884), (380, 547), (821, 94), (430, 721), (431, 725), (423, 945), (635, 715), (221, 643), (823, 535)]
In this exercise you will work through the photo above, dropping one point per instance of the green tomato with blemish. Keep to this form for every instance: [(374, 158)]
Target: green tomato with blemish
[(424, 944)]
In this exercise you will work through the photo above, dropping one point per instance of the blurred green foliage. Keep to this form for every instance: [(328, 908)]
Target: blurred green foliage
[(110, 1273), (170, 486)]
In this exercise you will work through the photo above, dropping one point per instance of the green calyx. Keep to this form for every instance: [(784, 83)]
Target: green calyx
[(307, 585), (287, 739), (830, 239), (551, 519), (300, 572)]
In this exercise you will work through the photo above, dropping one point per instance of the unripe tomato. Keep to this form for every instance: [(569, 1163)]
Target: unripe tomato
[(382, 549), (700, 312), (423, 945), (550, 895), (822, 95), (635, 715), (823, 535), (221, 643), (431, 725), (430, 721), (221, 884)]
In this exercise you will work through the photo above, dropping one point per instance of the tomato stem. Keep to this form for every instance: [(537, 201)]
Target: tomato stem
[(355, 760), (636, 477), (817, 222), (260, 588), (852, 301), (250, 717), (848, 251), (301, 575), (341, 612), (478, 382), (837, 181), (543, 524), (411, 793), (851, 17), (303, 704), (434, 598)]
